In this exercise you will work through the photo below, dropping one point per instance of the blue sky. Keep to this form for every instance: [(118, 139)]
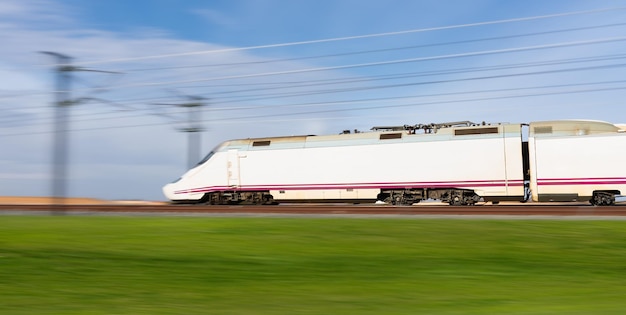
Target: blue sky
[(271, 68)]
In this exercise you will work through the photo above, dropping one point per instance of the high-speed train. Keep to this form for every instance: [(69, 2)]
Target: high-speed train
[(459, 163)]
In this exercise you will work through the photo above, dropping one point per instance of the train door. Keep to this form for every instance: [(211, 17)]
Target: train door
[(526, 161), (233, 169), (514, 163)]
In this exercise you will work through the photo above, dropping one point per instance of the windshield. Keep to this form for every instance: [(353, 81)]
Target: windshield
[(206, 158)]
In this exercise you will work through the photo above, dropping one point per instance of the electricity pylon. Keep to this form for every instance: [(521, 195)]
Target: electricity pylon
[(194, 127), (60, 143)]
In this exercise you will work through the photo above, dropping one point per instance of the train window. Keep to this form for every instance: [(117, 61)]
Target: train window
[(261, 143), (281, 191), (386, 136), (546, 129), (475, 131)]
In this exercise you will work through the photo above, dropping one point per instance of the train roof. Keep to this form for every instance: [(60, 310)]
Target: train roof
[(432, 128), (429, 132), (572, 127), (414, 133)]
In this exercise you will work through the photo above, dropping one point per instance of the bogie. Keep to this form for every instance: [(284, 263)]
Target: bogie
[(603, 198), (452, 196), (237, 197)]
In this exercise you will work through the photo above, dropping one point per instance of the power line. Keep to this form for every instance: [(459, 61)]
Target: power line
[(270, 96), (531, 18), (307, 83), (588, 90), (502, 37), (361, 52), (479, 53), (381, 63), (419, 74), (352, 89), (403, 75)]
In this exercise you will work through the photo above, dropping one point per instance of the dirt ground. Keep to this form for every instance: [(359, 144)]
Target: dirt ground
[(70, 201)]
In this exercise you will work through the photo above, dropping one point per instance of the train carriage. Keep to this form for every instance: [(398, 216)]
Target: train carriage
[(455, 162), (459, 163), (577, 161)]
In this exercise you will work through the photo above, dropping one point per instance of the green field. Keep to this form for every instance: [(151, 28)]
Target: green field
[(204, 265)]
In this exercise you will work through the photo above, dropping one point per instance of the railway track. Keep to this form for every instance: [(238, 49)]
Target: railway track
[(293, 209)]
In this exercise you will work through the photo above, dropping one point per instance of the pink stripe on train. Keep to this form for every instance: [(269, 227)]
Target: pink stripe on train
[(391, 185)]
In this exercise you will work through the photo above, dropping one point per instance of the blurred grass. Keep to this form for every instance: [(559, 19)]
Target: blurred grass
[(167, 265)]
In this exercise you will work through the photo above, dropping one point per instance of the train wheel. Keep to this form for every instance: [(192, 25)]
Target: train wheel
[(470, 199), (269, 200), (455, 201), (602, 199)]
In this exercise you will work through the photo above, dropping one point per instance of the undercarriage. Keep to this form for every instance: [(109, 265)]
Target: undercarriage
[(452, 196), (238, 197)]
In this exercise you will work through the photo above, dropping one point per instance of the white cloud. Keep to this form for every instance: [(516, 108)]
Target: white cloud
[(108, 144), (35, 13), (130, 149), (17, 81)]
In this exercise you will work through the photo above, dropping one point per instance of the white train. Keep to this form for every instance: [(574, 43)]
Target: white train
[(458, 163)]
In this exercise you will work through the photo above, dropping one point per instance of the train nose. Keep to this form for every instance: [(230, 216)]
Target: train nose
[(168, 191)]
